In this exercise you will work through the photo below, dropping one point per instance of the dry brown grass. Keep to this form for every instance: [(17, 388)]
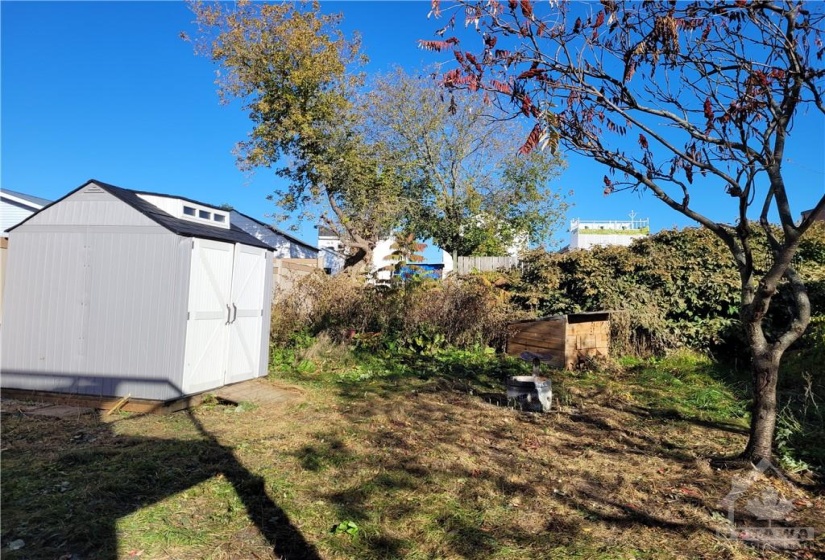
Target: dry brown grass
[(425, 473)]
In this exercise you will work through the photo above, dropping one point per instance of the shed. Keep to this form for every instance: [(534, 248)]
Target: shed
[(114, 292), (562, 340)]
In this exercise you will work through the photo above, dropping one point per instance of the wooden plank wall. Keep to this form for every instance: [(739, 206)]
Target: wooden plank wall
[(567, 343), (288, 271), (540, 337), (466, 265), (587, 339)]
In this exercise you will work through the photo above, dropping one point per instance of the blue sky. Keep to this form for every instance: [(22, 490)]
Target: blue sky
[(108, 90)]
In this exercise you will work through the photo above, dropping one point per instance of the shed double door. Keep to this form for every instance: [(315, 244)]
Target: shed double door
[(224, 327)]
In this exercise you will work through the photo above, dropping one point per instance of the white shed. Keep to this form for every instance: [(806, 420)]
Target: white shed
[(113, 292)]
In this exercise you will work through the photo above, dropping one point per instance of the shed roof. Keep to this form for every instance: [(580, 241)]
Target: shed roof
[(176, 225)]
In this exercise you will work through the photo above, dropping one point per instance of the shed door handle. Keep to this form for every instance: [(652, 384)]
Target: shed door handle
[(228, 314), (235, 316)]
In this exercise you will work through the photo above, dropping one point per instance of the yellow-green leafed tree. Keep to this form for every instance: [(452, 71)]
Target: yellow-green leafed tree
[(297, 75)]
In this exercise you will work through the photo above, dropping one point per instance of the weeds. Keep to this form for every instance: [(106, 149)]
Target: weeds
[(459, 312)]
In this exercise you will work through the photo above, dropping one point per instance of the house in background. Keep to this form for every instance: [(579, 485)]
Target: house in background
[(293, 259), (820, 216), (589, 234), (16, 207), (284, 246), (381, 266), (331, 251), (113, 292)]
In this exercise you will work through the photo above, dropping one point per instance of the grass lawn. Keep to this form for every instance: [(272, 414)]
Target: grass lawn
[(414, 457)]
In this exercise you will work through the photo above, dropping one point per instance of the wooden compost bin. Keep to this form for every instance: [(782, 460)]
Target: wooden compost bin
[(562, 341)]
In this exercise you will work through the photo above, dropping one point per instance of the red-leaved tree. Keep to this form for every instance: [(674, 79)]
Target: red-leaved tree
[(671, 97)]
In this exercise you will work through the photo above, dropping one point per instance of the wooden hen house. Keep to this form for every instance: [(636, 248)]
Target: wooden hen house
[(562, 341)]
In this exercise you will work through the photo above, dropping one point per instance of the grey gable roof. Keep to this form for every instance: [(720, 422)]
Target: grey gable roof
[(184, 228), (36, 200)]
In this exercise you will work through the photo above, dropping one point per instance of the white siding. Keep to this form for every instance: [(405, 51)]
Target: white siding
[(12, 214), (283, 247), (380, 259)]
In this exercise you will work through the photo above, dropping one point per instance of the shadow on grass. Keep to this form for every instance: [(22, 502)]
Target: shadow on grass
[(418, 401), (66, 504)]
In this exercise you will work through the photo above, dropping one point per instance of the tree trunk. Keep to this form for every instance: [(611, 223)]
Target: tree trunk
[(357, 261), (765, 369), (766, 354)]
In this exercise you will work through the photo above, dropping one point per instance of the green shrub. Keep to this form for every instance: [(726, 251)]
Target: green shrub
[(675, 289)]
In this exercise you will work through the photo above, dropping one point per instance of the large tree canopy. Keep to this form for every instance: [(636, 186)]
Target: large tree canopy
[(672, 97), (465, 189), (296, 75)]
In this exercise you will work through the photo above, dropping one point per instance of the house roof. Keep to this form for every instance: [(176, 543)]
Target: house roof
[(176, 225), (819, 216), (289, 237), (35, 201)]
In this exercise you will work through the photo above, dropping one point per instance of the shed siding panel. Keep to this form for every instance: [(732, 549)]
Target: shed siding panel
[(267, 316), (90, 207), (95, 313)]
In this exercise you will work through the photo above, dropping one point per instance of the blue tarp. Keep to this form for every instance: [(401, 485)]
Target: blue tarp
[(430, 271)]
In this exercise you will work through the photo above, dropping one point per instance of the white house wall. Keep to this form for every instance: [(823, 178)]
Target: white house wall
[(283, 247), (381, 263), (95, 301), (332, 261), (12, 214), (588, 240)]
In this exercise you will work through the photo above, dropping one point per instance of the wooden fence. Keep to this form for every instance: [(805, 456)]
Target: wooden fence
[(466, 265), (286, 272)]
